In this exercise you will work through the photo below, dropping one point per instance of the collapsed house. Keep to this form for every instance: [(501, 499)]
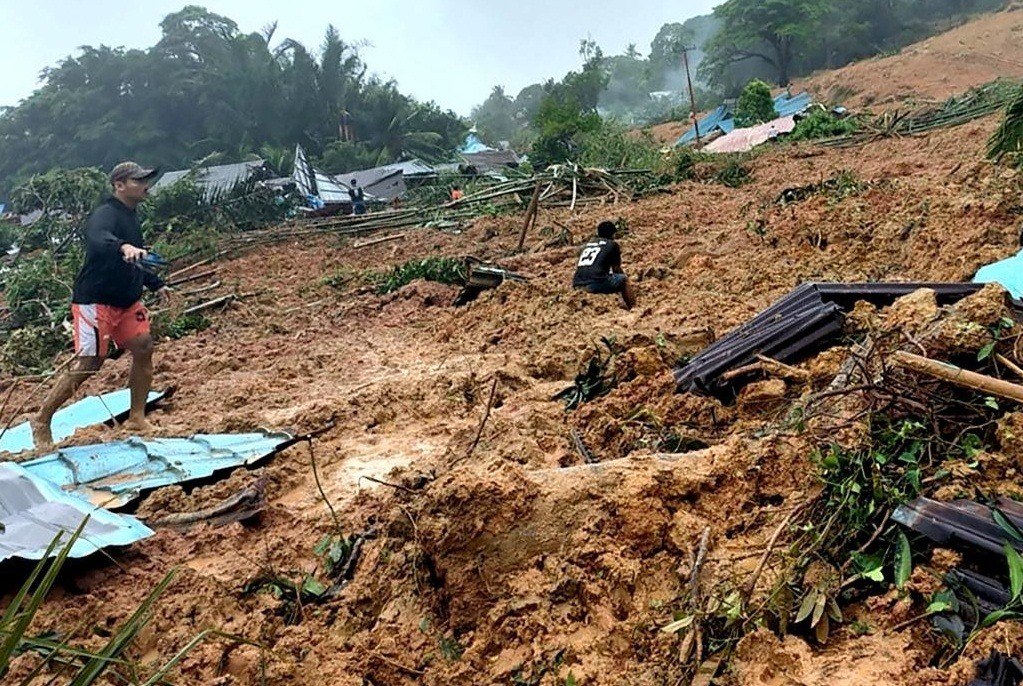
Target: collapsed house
[(721, 121), (218, 180)]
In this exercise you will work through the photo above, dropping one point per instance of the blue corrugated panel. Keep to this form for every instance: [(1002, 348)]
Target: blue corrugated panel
[(113, 474), (787, 106), (722, 118), (86, 412), (707, 124), (33, 511)]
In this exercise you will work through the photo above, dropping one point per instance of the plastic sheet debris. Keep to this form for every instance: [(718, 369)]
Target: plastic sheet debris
[(114, 474), (89, 410), (33, 511), (744, 140), (1007, 272), (963, 523)]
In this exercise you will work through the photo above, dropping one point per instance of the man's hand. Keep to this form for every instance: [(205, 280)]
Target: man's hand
[(131, 254), (166, 296)]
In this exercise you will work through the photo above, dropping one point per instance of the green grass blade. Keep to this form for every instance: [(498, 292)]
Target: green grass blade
[(120, 640)]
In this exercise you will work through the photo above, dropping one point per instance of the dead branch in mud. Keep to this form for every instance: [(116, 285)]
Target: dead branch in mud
[(755, 576), (483, 423), (239, 507), (319, 486), (580, 447)]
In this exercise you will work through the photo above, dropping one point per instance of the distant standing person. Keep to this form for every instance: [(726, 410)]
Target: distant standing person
[(599, 268), (106, 302), (456, 193), (358, 199)]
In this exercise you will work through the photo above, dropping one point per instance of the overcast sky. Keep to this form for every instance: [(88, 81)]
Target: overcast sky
[(450, 51)]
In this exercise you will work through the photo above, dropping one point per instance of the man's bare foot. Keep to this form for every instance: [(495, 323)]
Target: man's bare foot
[(138, 425), (42, 435)]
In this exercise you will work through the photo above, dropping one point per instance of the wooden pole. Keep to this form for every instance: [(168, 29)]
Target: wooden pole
[(530, 216), (958, 376), (692, 95)]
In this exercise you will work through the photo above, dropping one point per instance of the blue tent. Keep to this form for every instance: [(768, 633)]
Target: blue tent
[(473, 144)]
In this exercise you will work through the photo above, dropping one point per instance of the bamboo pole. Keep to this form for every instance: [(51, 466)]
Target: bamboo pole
[(530, 216), (959, 376)]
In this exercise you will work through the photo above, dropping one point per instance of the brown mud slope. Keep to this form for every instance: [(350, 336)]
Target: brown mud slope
[(927, 72), (932, 70), (513, 561)]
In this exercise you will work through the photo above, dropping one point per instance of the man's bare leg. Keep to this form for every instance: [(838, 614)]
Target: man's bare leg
[(140, 381), (628, 295), (42, 434)]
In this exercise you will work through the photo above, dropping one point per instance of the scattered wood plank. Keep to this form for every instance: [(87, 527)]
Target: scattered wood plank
[(377, 241)]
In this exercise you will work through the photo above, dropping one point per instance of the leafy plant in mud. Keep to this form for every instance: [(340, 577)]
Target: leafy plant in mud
[(821, 123), (733, 174), (594, 380), (180, 326), (336, 557), (72, 664), (447, 270)]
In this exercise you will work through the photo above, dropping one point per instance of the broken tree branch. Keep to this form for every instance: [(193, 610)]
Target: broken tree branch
[(959, 376)]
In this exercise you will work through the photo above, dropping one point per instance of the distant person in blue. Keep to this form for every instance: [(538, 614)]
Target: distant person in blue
[(358, 199), (599, 268)]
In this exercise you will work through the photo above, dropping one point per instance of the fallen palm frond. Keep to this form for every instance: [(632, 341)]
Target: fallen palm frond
[(976, 103), (1008, 139)]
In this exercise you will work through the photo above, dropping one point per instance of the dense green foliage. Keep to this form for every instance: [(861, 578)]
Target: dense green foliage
[(820, 123), (446, 270), (207, 87), (755, 105)]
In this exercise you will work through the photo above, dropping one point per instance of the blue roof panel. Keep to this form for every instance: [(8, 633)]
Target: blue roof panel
[(723, 118), (86, 412), (33, 511), (114, 474)]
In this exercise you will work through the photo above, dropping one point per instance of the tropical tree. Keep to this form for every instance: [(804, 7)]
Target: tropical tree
[(772, 31)]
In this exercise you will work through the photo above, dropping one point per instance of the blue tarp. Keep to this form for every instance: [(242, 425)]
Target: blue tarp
[(473, 145), (86, 412), (1007, 272), (723, 117), (33, 511), (113, 474)]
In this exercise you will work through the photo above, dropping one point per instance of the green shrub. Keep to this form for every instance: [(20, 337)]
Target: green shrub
[(755, 105), (822, 124), (32, 349), (448, 270)]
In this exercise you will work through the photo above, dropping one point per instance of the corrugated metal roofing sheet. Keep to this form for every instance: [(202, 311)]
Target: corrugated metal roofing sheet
[(113, 474), (86, 412), (722, 118), (216, 179), (792, 326), (33, 511)]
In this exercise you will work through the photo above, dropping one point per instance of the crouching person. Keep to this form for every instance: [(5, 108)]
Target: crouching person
[(599, 269)]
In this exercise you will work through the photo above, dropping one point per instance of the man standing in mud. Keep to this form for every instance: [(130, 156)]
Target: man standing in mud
[(599, 268), (106, 303)]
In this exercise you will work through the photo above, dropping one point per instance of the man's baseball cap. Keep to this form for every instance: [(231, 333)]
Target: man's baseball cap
[(132, 170)]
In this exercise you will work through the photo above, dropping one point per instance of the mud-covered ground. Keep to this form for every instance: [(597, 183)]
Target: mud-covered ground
[(511, 560)]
